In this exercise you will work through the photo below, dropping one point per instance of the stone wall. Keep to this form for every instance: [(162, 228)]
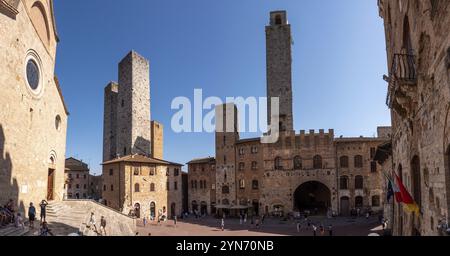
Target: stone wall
[(117, 223), (33, 123), (198, 172), (110, 122), (419, 108), (133, 135)]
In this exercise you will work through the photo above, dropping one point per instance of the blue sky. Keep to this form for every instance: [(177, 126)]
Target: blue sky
[(339, 58)]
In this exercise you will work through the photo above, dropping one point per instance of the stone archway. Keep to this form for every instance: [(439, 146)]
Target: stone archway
[(312, 196)]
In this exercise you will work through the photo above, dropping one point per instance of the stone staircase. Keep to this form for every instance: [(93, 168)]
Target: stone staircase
[(71, 217), (10, 230)]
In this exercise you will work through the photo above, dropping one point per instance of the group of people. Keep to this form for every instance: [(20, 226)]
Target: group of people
[(10, 215), (315, 227), (93, 225)]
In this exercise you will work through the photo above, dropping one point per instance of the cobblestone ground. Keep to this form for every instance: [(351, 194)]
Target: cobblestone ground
[(210, 226)]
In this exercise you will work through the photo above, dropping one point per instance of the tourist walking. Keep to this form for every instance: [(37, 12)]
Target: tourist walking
[(222, 224), (144, 221), (103, 225), (92, 222), (43, 206), (245, 218), (299, 225), (31, 215), (314, 228), (330, 230), (240, 219), (257, 222), (175, 220)]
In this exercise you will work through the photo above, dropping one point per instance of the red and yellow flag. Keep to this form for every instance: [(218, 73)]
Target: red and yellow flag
[(406, 198)]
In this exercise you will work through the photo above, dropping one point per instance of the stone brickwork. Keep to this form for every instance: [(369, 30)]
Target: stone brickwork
[(418, 57), (226, 138), (132, 184), (157, 139), (33, 121), (201, 186), (300, 171), (133, 111), (110, 121), (279, 62), (77, 180)]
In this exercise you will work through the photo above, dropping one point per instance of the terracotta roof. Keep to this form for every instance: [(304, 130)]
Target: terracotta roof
[(140, 159), (201, 160)]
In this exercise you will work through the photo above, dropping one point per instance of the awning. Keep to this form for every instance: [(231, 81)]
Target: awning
[(222, 206), (240, 207)]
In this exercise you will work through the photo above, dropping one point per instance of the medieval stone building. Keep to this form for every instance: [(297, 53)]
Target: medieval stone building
[(418, 54), (301, 171), (33, 116), (135, 179)]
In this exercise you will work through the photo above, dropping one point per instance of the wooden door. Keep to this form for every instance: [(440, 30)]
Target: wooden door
[(50, 184)]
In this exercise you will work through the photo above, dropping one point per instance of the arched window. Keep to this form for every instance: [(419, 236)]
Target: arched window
[(317, 162), (297, 163), (255, 184), (359, 201), (358, 161), (375, 201), (343, 161), (278, 165), (136, 187), (416, 180), (241, 166), (254, 165), (152, 187), (359, 182), (343, 182), (225, 190)]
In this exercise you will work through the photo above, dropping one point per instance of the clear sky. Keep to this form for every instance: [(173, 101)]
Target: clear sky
[(339, 58)]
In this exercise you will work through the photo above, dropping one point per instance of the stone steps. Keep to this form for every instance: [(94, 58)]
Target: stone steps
[(10, 230)]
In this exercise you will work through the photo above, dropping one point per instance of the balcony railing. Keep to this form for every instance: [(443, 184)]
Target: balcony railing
[(403, 73)]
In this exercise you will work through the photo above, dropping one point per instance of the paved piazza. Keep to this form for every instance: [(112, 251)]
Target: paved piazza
[(210, 226)]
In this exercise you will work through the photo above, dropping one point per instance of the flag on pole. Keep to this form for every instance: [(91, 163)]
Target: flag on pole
[(406, 198), (393, 189)]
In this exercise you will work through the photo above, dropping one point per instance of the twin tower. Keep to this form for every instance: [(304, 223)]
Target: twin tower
[(127, 127)]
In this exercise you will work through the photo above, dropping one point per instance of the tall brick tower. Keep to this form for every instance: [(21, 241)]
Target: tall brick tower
[(110, 121), (226, 137), (279, 62)]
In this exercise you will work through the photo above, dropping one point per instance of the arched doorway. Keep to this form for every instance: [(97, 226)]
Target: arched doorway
[(137, 210), (203, 208), (173, 210), (312, 196), (345, 206), (152, 210)]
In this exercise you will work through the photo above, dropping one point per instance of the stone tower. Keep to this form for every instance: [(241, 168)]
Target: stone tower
[(110, 121), (157, 138), (226, 137), (279, 60)]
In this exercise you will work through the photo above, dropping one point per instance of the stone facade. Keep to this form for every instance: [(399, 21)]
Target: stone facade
[(418, 57), (76, 179), (157, 140), (110, 121), (33, 116), (143, 186), (300, 171), (279, 67), (201, 185)]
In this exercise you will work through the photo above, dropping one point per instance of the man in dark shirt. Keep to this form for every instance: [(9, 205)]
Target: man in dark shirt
[(43, 206)]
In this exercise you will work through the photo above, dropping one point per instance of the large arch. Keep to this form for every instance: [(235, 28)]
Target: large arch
[(312, 195)]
